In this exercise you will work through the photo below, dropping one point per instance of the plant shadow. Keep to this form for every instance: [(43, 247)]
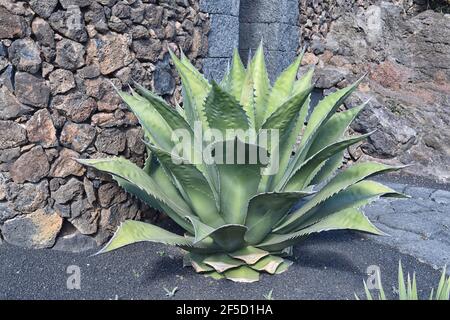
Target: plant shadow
[(321, 251)]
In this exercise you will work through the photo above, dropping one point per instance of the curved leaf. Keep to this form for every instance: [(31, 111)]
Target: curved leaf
[(151, 120), (265, 210), (250, 255), (261, 86), (320, 115), (288, 120), (228, 236), (223, 111), (306, 171), (196, 88), (355, 196), (334, 129), (238, 181), (193, 184), (131, 231), (125, 169), (268, 264), (236, 76), (346, 219), (282, 88), (174, 119), (222, 262), (242, 274), (343, 180)]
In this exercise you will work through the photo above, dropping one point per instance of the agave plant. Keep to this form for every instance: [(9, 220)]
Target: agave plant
[(408, 290), (239, 221)]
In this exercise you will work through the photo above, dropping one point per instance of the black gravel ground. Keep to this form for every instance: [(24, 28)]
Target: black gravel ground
[(327, 266)]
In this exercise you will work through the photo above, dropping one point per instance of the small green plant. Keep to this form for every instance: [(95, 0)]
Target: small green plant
[(170, 293), (161, 253), (269, 295), (242, 217), (408, 290)]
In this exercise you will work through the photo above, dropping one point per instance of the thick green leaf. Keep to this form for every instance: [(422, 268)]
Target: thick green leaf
[(196, 89), (306, 171), (223, 111), (283, 87), (265, 210), (268, 264), (193, 184), (250, 255), (355, 196), (242, 274), (328, 169), (236, 76), (287, 120), (261, 85), (334, 129), (303, 82), (222, 262), (196, 261), (228, 236), (247, 99), (238, 181), (341, 181), (169, 114), (214, 274), (320, 115), (138, 192), (151, 120), (131, 231), (173, 205), (346, 219), (284, 266)]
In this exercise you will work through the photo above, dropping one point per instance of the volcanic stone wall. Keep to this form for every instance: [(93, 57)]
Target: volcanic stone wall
[(403, 47), (59, 61)]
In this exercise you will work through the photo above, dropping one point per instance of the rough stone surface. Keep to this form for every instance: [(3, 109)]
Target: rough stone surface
[(11, 25), (10, 107), (60, 62), (417, 226), (75, 242), (110, 51), (69, 54), (31, 166), (35, 230), (111, 141), (7, 78), (32, 90), (43, 8), (403, 49), (75, 106), (24, 55), (43, 32), (40, 129), (147, 49), (77, 136), (6, 212), (78, 3), (109, 194), (66, 165), (61, 81), (68, 191), (87, 222), (28, 197), (69, 23)]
